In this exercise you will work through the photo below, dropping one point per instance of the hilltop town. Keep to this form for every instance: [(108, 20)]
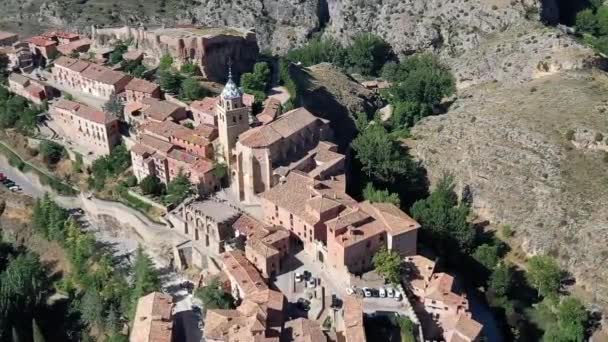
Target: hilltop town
[(265, 216)]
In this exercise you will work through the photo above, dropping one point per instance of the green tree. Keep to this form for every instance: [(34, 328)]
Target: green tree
[(501, 281), (36, 332), (170, 82), (586, 21), (368, 54), (151, 185), (258, 79), (544, 275), (444, 220), (145, 278), (114, 106), (192, 90), (380, 196), (91, 307), (602, 20), (189, 69), (381, 157), (388, 264), (78, 163), (23, 284), (178, 189), (166, 62), (319, 50), (4, 61), (487, 255), (408, 330), (213, 296), (51, 151), (116, 57), (139, 71), (569, 325)]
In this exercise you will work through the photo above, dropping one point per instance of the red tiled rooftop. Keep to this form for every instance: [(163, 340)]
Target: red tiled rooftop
[(41, 41), (7, 35), (141, 85), (206, 105)]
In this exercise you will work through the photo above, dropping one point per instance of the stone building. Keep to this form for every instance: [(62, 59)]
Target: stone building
[(332, 227), (354, 330), (204, 111), (42, 48), (77, 46), (139, 89), (153, 109), (19, 56), (232, 119), (303, 330), (31, 89), (208, 223), (265, 247), (153, 320), (8, 38), (166, 149), (90, 128), (89, 78), (262, 152)]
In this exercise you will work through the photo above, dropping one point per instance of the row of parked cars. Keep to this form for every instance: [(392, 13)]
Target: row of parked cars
[(9, 183), (382, 292), (307, 278)]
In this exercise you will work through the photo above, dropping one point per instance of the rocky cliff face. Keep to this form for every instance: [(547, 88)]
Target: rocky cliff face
[(533, 156)]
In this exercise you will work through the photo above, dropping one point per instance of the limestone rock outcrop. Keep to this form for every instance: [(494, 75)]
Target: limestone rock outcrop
[(533, 155), (210, 48)]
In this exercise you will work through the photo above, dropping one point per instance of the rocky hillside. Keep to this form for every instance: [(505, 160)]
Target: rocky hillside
[(535, 157)]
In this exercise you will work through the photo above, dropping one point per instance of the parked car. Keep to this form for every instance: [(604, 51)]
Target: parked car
[(367, 291), (298, 277), (311, 283), (375, 293), (303, 304), (2, 176), (350, 291), (336, 302), (8, 182), (390, 292), (397, 295), (306, 275), (382, 292), (15, 188)]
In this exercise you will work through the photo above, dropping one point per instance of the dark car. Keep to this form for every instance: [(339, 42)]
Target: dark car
[(303, 304), (375, 293), (336, 302), (306, 275)]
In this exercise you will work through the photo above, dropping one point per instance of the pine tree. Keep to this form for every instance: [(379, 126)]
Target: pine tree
[(146, 278)]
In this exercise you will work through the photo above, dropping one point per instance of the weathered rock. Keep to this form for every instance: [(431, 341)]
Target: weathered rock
[(511, 145), (210, 48), (328, 92)]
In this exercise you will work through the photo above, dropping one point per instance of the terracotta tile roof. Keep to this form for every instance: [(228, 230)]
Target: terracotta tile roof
[(60, 34), (41, 41), (285, 126), (268, 299), (142, 86), (182, 156), (419, 270), (104, 75), (19, 79), (35, 91), (232, 326), (155, 143), (203, 165), (73, 64), (243, 272), (262, 249), (305, 330), (85, 112), (163, 129), (7, 35), (190, 136), (159, 110), (276, 236), (66, 49), (395, 220), (153, 322), (272, 107), (142, 150), (206, 105), (353, 320), (248, 226), (465, 329), (440, 289), (207, 131), (298, 188)]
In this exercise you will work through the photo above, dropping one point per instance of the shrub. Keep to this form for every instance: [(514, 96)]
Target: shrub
[(570, 135)]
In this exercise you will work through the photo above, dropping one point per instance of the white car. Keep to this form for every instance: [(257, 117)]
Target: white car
[(367, 292), (397, 295), (382, 292), (390, 292), (311, 283), (349, 291), (299, 278), (14, 188)]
